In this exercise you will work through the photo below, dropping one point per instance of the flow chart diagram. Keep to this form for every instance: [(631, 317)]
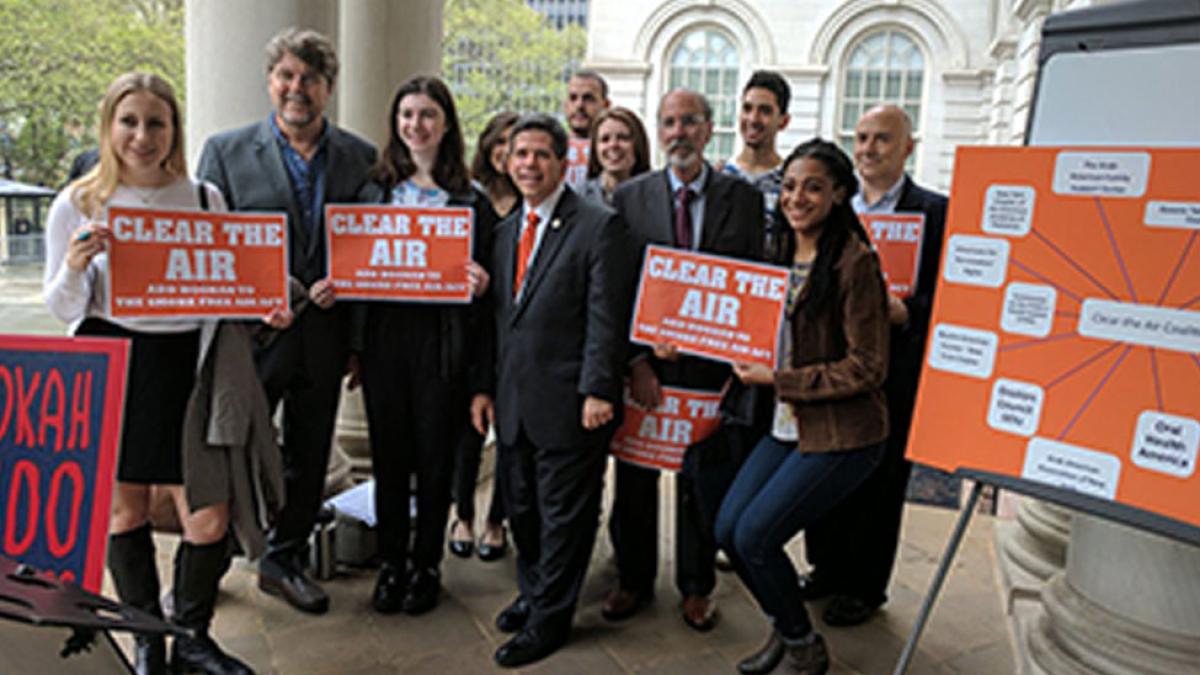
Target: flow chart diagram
[(1065, 340)]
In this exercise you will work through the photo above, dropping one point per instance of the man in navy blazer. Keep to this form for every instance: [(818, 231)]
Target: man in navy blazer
[(296, 161), (559, 291), (692, 206), (853, 549)]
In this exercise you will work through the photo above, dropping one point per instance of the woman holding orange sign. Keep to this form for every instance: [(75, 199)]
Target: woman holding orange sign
[(142, 165), (416, 357), (830, 420)]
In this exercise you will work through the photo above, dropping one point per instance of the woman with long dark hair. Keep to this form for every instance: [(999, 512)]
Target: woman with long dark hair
[(141, 164), (416, 357), (830, 421), (488, 170)]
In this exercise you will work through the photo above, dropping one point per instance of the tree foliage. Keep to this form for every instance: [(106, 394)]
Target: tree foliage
[(501, 55), (56, 60)]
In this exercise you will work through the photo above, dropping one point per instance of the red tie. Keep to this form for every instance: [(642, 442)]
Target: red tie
[(525, 249), (683, 218)]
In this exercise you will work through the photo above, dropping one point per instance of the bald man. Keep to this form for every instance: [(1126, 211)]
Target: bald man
[(853, 549)]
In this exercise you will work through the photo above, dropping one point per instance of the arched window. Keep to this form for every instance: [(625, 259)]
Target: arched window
[(884, 67), (707, 61)]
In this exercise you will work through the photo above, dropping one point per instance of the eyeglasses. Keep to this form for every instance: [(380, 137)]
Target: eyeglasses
[(689, 120)]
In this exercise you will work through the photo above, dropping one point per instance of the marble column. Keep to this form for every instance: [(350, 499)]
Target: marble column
[(1127, 602)]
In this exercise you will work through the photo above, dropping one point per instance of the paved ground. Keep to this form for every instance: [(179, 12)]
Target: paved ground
[(968, 632)]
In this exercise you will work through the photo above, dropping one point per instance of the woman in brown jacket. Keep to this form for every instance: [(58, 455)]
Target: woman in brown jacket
[(830, 420)]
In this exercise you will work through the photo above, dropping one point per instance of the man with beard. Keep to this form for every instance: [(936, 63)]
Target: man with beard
[(587, 96), (295, 161), (763, 115), (853, 548), (690, 206)]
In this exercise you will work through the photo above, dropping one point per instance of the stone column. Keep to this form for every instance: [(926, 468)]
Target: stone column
[(1128, 602), (381, 44), (225, 65)]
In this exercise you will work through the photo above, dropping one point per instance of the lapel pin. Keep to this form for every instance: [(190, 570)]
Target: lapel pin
[(556, 223)]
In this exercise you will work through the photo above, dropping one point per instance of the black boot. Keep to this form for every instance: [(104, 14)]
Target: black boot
[(131, 562), (197, 578)]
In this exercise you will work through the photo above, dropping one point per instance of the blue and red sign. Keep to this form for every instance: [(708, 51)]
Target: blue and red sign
[(60, 425)]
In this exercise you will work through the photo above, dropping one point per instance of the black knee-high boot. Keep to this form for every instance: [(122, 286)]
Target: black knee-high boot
[(197, 578), (131, 562)]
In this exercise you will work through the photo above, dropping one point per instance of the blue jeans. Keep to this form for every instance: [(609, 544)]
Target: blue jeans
[(778, 492)]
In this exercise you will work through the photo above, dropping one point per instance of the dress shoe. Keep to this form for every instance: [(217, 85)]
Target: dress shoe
[(512, 618), (460, 547), (201, 655), (289, 581), (700, 612), (489, 552), (808, 657), (846, 610), (388, 597), (621, 604), (765, 659), (531, 644), (424, 587), (814, 587)]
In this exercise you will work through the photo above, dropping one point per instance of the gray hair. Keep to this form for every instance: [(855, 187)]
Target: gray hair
[(705, 106), (309, 46)]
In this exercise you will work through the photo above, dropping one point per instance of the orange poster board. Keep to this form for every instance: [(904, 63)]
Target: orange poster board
[(415, 254), (657, 439), (578, 150), (712, 306), (897, 240), (187, 263), (1064, 342)]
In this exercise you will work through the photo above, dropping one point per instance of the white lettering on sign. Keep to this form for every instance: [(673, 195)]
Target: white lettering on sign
[(1166, 443), (711, 307), (967, 351), (1072, 467), (1028, 309), (253, 234), (976, 261), (1097, 174), (200, 265), (371, 224), (895, 230), (1016, 407), (1184, 215), (1008, 209), (398, 253), (1146, 325), (162, 230), (688, 272)]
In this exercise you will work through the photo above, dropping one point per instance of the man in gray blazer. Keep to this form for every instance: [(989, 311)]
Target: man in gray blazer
[(295, 161), (687, 205), (559, 290)]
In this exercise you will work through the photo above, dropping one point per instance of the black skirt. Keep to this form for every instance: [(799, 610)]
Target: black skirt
[(162, 370)]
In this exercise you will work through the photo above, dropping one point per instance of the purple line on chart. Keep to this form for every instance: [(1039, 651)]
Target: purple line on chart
[(1080, 366), (1157, 383), (1112, 240), (1066, 315), (1039, 341), (1041, 277), (1178, 266), (1189, 303), (1078, 268), (1099, 386), (1195, 360)]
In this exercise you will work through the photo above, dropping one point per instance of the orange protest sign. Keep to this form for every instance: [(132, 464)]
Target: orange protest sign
[(712, 306), (1066, 328), (381, 252), (897, 239), (657, 439), (191, 264), (578, 150)]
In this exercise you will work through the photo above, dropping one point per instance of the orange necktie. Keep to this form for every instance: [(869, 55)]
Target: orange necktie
[(525, 249)]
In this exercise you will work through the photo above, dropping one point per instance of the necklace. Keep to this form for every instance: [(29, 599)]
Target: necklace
[(147, 195)]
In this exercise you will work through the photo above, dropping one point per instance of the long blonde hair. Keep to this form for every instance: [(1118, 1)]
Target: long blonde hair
[(94, 188)]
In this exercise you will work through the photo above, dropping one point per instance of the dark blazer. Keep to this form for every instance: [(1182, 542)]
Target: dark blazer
[(732, 226), (565, 339), (461, 325), (247, 166), (908, 341)]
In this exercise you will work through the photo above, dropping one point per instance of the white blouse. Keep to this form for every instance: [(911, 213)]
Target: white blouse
[(73, 296)]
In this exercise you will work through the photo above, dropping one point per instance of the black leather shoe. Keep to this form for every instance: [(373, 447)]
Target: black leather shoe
[(531, 644), (462, 548), (845, 610), (808, 658), (814, 587), (201, 654), (621, 604), (765, 659), (424, 587), (290, 582), (512, 618), (388, 597), (493, 552)]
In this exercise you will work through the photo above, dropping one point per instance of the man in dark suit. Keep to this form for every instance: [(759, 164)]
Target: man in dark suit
[(688, 205), (295, 161), (559, 292), (853, 549)]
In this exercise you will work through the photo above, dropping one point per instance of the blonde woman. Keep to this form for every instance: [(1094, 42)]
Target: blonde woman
[(142, 164)]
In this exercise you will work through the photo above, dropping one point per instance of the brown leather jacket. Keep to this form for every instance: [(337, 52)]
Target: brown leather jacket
[(840, 359)]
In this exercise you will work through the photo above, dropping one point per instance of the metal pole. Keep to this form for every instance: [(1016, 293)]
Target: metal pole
[(939, 578)]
